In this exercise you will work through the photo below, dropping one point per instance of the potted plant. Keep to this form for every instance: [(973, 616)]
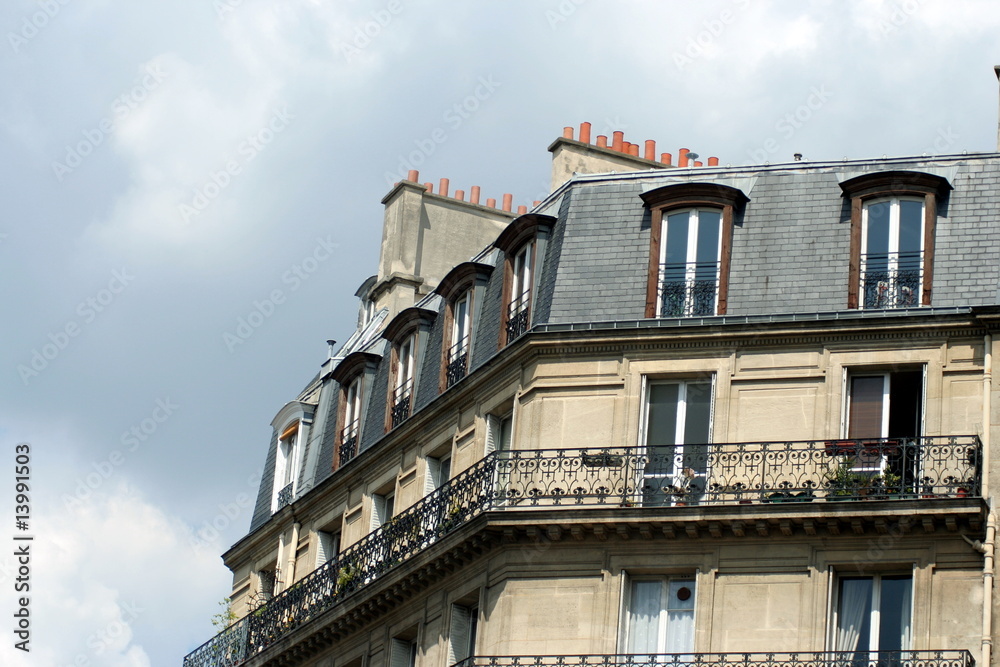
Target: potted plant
[(346, 576), (683, 487), (844, 483)]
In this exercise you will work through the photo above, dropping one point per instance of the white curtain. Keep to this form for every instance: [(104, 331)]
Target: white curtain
[(644, 617), (855, 609), (904, 621)]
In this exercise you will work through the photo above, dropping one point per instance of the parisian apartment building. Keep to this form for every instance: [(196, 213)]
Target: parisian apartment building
[(674, 413)]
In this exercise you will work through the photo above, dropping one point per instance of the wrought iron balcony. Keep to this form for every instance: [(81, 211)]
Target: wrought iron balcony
[(656, 477), (689, 290), (951, 658), (401, 402), (891, 281), (285, 495), (349, 442), (458, 361), (517, 316)]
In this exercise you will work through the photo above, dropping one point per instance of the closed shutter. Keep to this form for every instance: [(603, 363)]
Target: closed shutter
[(460, 634), (402, 653), (492, 427), (328, 545), (433, 478)]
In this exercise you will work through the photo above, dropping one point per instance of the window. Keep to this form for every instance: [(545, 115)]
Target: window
[(438, 473), (689, 263), (676, 434), (462, 635), (892, 253), (660, 616), (267, 585), (352, 421), (523, 242), (690, 248), (285, 467), (327, 546), (886, 407), (403, 367), (873, 614), (461, 331), (383, 508), (893, 220), (499, 430), (403, 652)]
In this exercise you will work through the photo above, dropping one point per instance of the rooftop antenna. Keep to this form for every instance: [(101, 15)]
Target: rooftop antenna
[(996, 70)]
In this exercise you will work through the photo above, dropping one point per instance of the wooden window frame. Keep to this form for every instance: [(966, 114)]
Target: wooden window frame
[(893, 185), (668, 198), (530, 228), (356, 366), (468, 278)]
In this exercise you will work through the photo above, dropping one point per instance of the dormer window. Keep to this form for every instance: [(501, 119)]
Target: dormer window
[(400, 404), (352, 421), (291, 432), (523, 243), (462, 289), (893, 221), (285, 466), (690, 245), (354, 375)]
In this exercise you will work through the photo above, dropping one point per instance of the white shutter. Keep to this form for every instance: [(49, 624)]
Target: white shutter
[(378, 511), (460, 633), (327, 547), (433, 478), (401, 653), (492, 430)]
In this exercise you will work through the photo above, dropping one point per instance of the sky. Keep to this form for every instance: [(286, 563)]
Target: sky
[(171, 169)]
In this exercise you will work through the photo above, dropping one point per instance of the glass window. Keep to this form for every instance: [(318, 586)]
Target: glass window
[(677, 433), (660, 616), (873, 614), (892, 253), (689, 263)]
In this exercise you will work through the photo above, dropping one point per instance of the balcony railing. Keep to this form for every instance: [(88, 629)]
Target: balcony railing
[(951, 658), (517, 316), (349, 442), (689, 290), (891, 281), (717, 474), (285, 495), (458, 361), (401, 402)]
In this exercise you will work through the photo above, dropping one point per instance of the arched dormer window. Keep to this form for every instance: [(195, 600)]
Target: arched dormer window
[(523, 244), (690, 246), (893, 221), (354, 375), (291, 426), (462, 289), (407, 333)]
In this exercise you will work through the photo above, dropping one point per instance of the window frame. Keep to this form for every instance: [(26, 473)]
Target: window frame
[(667, 199), (833, 616), (467, 281), (528, 232), (870, 188), (354, 376), (663, 618), (407, 334)]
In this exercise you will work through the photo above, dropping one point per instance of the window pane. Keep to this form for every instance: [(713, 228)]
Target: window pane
[(680, 617), (661, 427), (644, 617), (894, 614), (911, 216), (854, 615), (709, 224), (696, 425), (866, 408), (877, 237), (677, 241)]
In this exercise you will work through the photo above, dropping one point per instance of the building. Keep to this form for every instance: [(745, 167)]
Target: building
[(672, 414)]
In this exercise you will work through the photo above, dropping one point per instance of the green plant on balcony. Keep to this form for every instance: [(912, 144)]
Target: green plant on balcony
[(346, 575), (845, 483)]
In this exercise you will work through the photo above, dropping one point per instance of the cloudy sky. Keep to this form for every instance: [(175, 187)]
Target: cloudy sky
[(167, 167)]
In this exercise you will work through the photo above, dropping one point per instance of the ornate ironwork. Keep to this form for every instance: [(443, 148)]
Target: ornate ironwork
[(458, 361), (768, 472), (401, 402), (689, 290), (950, 658), (349, 442), (285, 495), (517, 316), (765, 472), (891, 281)]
